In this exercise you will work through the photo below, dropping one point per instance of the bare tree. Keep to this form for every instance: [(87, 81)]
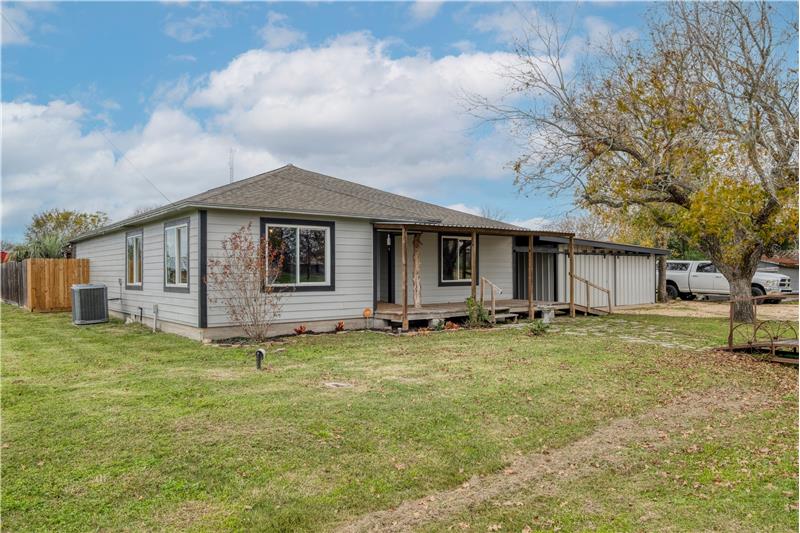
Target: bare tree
[(589, 226), (242, 281), (698, 127), (494, 212)]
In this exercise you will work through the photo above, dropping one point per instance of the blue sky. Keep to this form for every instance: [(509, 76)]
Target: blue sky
[(97, 95)]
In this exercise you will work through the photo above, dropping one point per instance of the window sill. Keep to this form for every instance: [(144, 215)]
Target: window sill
[(169, 288), (133, 287), (304, 288), (459, 283)]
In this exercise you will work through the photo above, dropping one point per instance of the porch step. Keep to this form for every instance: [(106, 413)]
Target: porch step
[(598, 311), (506, 317)]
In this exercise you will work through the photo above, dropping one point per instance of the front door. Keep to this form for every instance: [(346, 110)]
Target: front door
[(385, 259)]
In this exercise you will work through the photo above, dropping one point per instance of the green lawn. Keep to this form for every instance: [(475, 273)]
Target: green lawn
[(112, 427)]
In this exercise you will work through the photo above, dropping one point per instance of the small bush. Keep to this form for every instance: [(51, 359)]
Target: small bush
[(477, 315), (537, 328), (301, 329), (439, 326), (340, 326)]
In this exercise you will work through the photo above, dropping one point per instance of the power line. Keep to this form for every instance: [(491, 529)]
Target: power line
[(122, 156), (13, 27)]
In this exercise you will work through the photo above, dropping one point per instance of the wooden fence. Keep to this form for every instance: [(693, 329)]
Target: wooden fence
[(12, 282), (44, 284)]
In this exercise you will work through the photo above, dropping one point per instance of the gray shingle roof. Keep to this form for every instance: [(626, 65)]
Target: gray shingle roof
[(291, 189), (297, 190)]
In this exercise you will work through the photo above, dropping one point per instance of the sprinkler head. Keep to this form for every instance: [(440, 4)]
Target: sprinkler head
[(261, 353)]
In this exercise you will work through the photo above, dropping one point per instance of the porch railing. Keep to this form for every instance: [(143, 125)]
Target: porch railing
[(589, 285), (494, 290)]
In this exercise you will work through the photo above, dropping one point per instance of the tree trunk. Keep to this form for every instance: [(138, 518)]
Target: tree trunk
[(417, 280), (741, 292), (662, 278)]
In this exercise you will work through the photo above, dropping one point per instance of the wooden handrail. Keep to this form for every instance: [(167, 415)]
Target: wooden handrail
[(588, 292), (495, 288)]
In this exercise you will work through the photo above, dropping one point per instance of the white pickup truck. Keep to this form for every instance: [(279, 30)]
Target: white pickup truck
[(689, 279)]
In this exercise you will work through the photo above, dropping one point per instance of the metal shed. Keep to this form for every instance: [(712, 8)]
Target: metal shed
[(627, 271)]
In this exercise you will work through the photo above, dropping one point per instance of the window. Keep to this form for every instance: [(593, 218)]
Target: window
[(706, 268), (133, 260), (455, 259), (680, 267), (176, 255), (301, 253)]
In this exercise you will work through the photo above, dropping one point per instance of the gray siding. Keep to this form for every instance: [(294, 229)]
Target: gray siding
[(353, 269), (106, 254), (494, 263)]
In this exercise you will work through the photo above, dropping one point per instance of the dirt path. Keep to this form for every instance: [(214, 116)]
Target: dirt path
[(710, 309), (606, 445)]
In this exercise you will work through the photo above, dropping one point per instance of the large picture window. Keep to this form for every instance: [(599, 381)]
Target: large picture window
[(176, 255), (301, 253), (133, 260), (455, 259)]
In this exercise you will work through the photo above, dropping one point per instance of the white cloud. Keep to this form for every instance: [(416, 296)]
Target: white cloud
[(424, 10), (110, 104), (508, 23), (350, 106), (533, 223), (83, 171), (182, 57), (277, 34), (19, 22), (464, 46), (465, 209), (346, 108), (199, 25), (600, 32)]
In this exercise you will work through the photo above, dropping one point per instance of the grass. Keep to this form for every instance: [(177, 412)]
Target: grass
[(113, 427)]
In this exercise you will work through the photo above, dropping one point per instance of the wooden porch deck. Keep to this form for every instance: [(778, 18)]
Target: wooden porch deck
[(443, 311)]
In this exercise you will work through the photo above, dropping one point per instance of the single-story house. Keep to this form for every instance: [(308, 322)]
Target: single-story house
[(788, 266), (363, 238)]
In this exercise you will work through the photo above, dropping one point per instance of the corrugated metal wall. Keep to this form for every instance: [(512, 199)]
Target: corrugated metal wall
[(631, 278), (635, 279), (545, 274)]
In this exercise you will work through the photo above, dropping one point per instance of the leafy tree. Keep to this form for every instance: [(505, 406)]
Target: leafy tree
[(696, 129), (63, 223), (49, 232)]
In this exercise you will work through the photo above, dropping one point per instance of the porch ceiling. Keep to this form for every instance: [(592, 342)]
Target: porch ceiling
[(394, 226)]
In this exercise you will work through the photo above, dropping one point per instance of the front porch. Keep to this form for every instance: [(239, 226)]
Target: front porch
[(416, 281), (446, 311)]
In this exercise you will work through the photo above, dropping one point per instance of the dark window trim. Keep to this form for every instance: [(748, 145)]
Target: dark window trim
[(202, 287), (140, 286), (265, 221), (466, 283), (167, 225)]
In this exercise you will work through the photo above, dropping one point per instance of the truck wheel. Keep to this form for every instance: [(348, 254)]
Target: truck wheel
[(755, 290), (672, 292)]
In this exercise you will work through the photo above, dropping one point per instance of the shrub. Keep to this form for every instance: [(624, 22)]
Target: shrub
[(537, 328), (301, 329), (340, 326), (241, 278), (477, 315)]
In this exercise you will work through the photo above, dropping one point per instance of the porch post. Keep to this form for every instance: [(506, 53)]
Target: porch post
[(404, 263), (473, 262), (417, 262), (531, 284), (572, 276)]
